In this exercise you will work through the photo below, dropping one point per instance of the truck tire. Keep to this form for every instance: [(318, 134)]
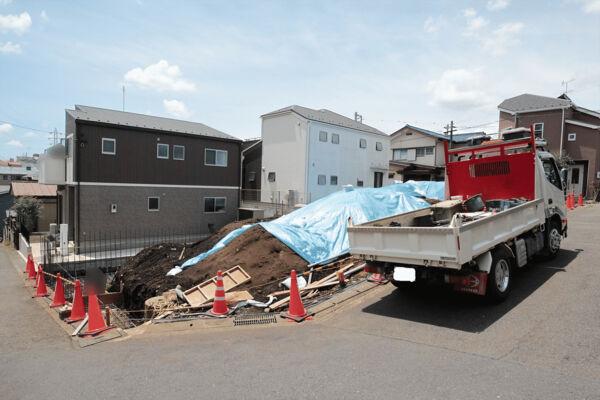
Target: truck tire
[(553, 238), (500, 277)]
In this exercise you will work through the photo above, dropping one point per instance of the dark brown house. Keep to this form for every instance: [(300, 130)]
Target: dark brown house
[(146, 175), (567, 128)]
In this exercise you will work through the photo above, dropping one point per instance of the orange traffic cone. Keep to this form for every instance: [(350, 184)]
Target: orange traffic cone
[(569, 202), (580, 200), (30, 268), (96, 322), (296, 311), (78, 309), (219, 304), (377, 278), (59, 293), (41, 289)]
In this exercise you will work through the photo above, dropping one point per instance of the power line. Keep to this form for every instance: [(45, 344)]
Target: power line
[(30, 128)]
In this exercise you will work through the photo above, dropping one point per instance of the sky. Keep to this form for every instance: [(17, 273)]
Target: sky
[(225, 64)]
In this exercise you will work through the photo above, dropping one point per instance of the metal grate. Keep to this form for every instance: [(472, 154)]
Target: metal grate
[(254, 319), (489, 169)]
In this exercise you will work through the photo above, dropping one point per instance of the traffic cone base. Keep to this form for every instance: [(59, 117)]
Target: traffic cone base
[(219, 307), (41, 289), (59, 293), (296, 311), (78, 308), (96, 323)]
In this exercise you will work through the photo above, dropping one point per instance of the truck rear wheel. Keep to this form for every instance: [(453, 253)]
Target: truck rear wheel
[(500, 277)]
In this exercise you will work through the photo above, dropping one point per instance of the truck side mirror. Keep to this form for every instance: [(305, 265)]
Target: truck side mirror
[(563, 178)]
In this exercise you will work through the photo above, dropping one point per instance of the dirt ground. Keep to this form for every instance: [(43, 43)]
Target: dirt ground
[(264, 257)]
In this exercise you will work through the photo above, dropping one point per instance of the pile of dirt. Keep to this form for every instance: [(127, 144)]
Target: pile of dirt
[(266, 259)]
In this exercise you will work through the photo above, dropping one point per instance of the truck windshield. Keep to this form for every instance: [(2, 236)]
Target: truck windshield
[(552, 173)]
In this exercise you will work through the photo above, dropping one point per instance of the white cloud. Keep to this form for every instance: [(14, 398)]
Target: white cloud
[(14, 143), (458, 88), (10, 48), (503, 38), (160, 76), (176, 108), (474, 22), (591, 6), (433, 24), (44, 16), (495, 5), (5, 2), (5, 128), (18, 24)]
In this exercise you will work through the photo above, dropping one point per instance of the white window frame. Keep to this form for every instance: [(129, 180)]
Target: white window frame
[(182, 148), (216, 158), (337, 136), (153, 197), (215, 205), (378, 146), (572, 137), (323, 136), (534, 129), (323, 181), (403, 154), (360, 143), (114, 141), (158, 146)]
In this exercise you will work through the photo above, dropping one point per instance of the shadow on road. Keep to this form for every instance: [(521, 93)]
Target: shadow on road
[(445, 308)]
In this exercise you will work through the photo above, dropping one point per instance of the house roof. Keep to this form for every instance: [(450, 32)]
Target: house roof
[(326, 116), (531, 102), (32, 189), (107, 116), (457, 137)]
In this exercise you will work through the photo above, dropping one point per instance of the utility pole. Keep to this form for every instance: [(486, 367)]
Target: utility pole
[(450, 130)]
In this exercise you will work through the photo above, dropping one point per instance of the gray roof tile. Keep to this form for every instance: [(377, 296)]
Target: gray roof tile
[(103, 115), (528, 102)]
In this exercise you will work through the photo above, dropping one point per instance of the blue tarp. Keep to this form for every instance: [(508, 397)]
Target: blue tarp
[(317, 232)]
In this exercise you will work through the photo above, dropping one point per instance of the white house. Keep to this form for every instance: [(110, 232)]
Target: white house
[(308, 154)]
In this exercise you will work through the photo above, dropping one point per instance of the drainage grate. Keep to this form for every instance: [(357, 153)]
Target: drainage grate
[(254, 319)]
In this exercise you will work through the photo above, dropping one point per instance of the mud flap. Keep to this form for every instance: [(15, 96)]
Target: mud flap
[(474, 283)]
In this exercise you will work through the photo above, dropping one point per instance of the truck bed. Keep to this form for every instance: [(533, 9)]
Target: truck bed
[(444, 246)]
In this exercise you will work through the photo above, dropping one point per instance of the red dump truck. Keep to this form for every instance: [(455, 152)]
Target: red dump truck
[(504, 206)]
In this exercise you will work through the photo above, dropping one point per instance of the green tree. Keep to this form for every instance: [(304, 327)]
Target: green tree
[(28, 211)]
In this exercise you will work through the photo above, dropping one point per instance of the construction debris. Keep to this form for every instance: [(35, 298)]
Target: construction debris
[(205, 291)]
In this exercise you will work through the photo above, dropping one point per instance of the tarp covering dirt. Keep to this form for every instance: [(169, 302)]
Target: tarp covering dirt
[(317, 232)]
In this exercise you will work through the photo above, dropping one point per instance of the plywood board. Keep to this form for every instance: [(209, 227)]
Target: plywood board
[(205, 291)]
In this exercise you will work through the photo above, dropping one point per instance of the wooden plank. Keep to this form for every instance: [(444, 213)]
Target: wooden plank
[(205, 291)]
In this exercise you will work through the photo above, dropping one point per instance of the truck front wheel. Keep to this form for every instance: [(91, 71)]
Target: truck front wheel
[(553, 239), (500, 277)]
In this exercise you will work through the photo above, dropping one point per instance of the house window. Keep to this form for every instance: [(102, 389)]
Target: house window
[(271, 177), (362, 143), (321, 179), (335, 138), (400, 154), (571, 137), (153, 203), (322, 136), (109, 146), (333, 180), (378, 146), (178, 152), (423, 151), (28, 168), (162, 151), (217, 158), (538, 129), (214, 204), (359, 183), (408, 134)]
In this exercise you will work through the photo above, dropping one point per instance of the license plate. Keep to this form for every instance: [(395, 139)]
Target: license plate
[(404, 274)]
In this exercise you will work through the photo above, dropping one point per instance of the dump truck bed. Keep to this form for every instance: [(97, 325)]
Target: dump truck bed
[(441, 246)]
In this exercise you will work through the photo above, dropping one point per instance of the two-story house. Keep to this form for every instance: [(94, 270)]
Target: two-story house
[(127, 172), (568, 129), (418, 154), (308, 154)]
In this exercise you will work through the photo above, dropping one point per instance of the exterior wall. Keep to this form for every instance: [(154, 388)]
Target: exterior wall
[(413, 140), (135, 160), (284, 152), (586, 147), (346, 160), (507, 121), (552, 125), (47, 214), (181, 210), (252, 165)]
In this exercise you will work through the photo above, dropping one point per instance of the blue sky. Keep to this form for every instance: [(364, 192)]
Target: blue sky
[(226, 63)]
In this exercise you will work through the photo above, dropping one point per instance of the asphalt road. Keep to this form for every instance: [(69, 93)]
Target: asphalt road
[(543, 343)]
